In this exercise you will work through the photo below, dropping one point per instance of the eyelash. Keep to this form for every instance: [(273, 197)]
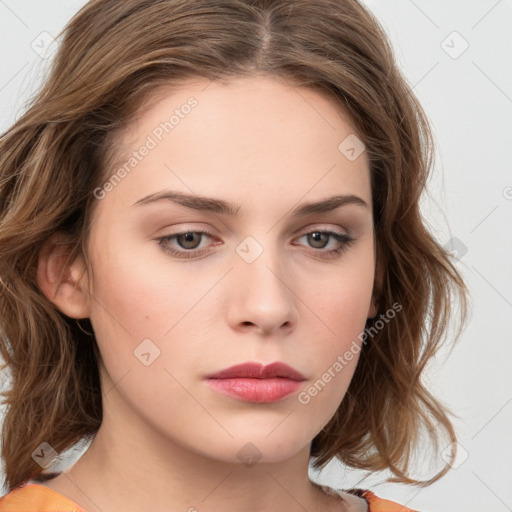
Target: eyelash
[(344, 239)]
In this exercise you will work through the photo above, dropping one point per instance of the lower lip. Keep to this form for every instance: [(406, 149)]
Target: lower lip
[(256, 390)]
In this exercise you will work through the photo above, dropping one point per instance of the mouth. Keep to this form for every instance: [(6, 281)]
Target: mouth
[(253, 382)]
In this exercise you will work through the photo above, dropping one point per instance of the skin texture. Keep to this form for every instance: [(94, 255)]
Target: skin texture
[(167, 438)]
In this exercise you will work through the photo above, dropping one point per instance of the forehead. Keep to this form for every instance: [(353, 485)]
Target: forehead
[(241, 103), (238, 139)]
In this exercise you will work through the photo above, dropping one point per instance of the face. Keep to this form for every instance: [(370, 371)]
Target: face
[(179, 291)]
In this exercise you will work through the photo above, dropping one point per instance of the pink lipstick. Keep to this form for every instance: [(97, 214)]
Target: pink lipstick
[(253, 382)]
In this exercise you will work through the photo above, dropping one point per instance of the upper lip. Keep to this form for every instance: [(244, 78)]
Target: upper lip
[(258, 371)]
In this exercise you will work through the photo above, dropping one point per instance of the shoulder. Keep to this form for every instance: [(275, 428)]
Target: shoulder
[(364, 497), (377, 504), (34, 497)]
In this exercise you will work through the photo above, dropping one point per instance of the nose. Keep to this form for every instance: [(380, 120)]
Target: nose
[(261, 296)]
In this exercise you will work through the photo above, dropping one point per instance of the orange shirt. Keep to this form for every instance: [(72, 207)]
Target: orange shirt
[(32, 497)]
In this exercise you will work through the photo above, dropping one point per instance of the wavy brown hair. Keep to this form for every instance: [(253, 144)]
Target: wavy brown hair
[(113, 56)]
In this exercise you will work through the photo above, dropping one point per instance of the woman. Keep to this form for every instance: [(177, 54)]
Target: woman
[(214, 265)]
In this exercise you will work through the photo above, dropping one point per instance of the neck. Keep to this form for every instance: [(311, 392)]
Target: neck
[(131, 467)]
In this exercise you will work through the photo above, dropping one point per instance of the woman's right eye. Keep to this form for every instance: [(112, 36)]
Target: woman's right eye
[(188, 240)]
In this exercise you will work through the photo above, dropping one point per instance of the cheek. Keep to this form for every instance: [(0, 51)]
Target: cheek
[(340, 308), (342, 300), (137, 318), (133, 302), (131, 283), (142, 305)]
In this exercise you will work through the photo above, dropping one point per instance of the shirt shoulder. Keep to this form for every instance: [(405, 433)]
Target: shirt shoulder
[(373, 502), (33, 497), (377, 504)]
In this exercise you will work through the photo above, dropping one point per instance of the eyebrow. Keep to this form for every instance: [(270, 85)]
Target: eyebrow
[(214, 205)]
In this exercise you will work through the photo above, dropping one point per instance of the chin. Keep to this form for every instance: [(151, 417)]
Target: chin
[(250, 451)]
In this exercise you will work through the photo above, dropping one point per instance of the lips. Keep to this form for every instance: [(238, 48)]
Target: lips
[(254, 370), (255, 390), (253, 382)]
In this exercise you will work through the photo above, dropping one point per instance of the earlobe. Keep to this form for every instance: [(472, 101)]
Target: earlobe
[(59, 278)]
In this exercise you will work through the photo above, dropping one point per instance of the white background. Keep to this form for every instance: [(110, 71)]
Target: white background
[(468, 98)]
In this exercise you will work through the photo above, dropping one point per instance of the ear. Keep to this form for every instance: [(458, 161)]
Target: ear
[(59, 278)]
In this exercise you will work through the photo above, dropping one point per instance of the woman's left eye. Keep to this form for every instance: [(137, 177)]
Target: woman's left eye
[(319, 236), (188, 241)]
